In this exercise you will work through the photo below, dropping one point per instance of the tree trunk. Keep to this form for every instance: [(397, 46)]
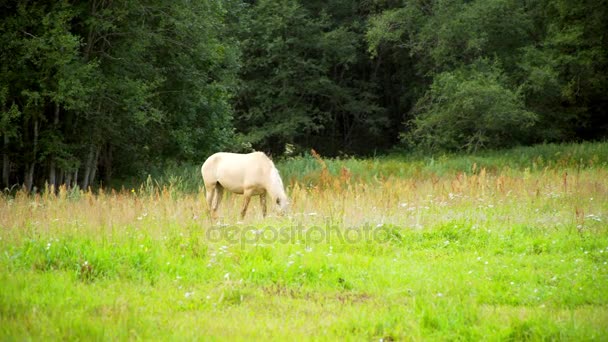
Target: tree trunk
[(60, 177), (94, 166), (107, 164), (52, 176), (29, 176), (88, 167), (5, 163), (75, 180), (53, 166), (68, 180)]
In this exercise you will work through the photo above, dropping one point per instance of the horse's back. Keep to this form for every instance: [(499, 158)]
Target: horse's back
[(238, 159), (236, 170)]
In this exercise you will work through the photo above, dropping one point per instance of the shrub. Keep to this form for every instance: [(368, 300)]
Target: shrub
[(469, 109)]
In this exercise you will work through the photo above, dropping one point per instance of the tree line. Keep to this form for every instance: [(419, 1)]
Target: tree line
[(93, 91)]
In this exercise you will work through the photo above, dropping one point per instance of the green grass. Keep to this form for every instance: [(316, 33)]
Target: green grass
[(513, 253), (306, 169), (536, 158), (448, 282)]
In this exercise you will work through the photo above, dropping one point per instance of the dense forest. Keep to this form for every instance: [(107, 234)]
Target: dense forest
[(92, 91)]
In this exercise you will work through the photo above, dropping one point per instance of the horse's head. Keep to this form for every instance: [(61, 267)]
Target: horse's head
[(282, 204), (278, 191)]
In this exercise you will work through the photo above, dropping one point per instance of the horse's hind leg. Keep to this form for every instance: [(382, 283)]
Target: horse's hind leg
[(219, 193), (213, 196), (209, 194)]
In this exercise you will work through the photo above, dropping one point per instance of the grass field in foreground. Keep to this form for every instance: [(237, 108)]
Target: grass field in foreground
[(503, 254)]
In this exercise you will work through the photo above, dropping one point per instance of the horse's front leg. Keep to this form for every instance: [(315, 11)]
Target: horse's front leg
[(245, 204), (263, 203)]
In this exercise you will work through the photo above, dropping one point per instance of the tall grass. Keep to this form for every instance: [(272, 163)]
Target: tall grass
[(541, 157), (478, 247), (306, 169)]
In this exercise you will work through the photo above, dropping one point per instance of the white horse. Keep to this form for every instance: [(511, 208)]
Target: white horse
[(247, 174)]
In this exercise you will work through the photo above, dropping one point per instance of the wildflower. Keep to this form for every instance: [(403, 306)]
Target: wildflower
[(189, 294)]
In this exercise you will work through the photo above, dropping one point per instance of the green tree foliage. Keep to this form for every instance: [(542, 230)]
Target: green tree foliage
[(551, 54), (562, 71), (470, 108), (297, 80), (96, 91), (112, 87)]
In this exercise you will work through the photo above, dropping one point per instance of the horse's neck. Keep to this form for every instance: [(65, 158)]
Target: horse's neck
[(275, 186)]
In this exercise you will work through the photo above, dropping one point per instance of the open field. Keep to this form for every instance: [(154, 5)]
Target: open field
[(512, 248)]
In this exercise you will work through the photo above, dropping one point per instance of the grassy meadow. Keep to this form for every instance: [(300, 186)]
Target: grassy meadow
[(509, 245)]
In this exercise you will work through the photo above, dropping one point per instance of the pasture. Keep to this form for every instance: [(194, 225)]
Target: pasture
[(503, 246)]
